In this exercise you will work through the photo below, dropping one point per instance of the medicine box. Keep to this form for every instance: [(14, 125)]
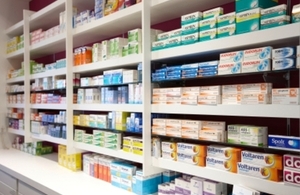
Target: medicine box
[(190, 39), (173, 42), (258, 53), (275, 22), (289, 96), (197, 185), (212, 187), (283, 64), (256, 65), (284, 142), (243, 5), (254, 136), (236, 56), (210, 90), (222, 164), (209, 99), (145, 184), (189, 100), (255, 99), (231, 89), (291, 162), (263, 159), (233, 134), (169, 155), (163, 36), (226, 31), (190, 28), (191, 159), (158, 45), (175, 33), (257, 88), (134, 48), (248, 21), (223, 152), (296, 13), (211, 135), (259, 171), (193, 149), (191, 18), (291, 177), (284, 52), (213, 13), (241, 190), (274, 11), (225, 68), (208, 35), (226, 19), (207, 24), (169, 146)]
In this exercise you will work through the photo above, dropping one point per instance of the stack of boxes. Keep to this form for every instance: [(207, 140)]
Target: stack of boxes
[(291, 170), (223, 158), (134, 45), (134, 123), (284, 58), (212, 131), (208, 26), (72, 162), (144, 185), (296, 13), (258, 93), (274, 16), (14, 44), (115, 47), (168, 150), (99, 8), (133, 144), (34, 148), (261, 165), (249, 14), (226, 25), (286, 96), (210, 95), (15, 99), (189, 29), (191, 154)]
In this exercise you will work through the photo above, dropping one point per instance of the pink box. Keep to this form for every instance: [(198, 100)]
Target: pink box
[(291, 162), (291, 177)]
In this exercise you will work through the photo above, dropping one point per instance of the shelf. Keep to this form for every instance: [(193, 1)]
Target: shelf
[(230, 178), (98, 86), (49, 73), (48, 90), (126, 61), (248, 40), (50, 13), (114, 153), (48, 122), (16, 29), (48, 138), (273, 111), (102, 28), (49, 106), (15, 105), (15, 93), (15, 80), (48, 46), (109, 107), (107, 130), (16, 132), (16, 54)]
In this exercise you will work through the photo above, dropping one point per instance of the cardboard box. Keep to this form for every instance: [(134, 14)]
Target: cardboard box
[(287, 96), (263, 159), (192, 149), (222, 164), (223, 152), (191, 159)]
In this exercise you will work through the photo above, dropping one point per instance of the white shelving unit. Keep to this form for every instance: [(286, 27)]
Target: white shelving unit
[(141, 15), (16, 132)]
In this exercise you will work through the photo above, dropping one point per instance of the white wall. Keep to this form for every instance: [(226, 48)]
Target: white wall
[(11, 12)]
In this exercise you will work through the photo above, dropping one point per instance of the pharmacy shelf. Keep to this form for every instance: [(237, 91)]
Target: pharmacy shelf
[(242, 41), (102, 28), (16, 29), (274, 111), (48, 138), (50, 14), (48, 46), (109, 107), (126, 61), (15, 105), (16, 132), (49, 73), (15, 80), (49, 106), (16, 54), (13, 162), (109, 152), (277, 188)]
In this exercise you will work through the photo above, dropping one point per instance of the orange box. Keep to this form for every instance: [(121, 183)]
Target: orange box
[(168, 146), (101, 168), (191, 159), (191, 149), (263, 159), (221, 164), (86, 55), (227, 153), (169, 155), (261, 172)]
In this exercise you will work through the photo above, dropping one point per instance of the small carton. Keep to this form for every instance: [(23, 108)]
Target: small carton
[(213, 125), (212, 13), (275, 11), (210, 135), (191, 18), (169, 146), (226, 31), (256, 66), (248, 21), (253, 136), (296, 13), (159, 130), (231, 89), (289, 96), (208, 24), (226, 19), (190, 28), (169, 155), (209, 99), (291, 162), (256, 99), (233, 134), (263, 159), (259, 171), (222, 164), (275, 22), (190, 91), (261, 53), (191, 159), (257, 88), (189, 100), (291, 177), (190, 129), (212, 187), (159, 122), (227, 153), (284, 63), (225, 68), (236, 56), (210, 90), (207, 35), (284, 142), (190, 38), (197, 185), (193, 149)]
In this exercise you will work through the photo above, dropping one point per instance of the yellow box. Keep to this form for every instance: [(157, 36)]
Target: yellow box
[(191, 159), (60, 159), (192, 149), (127, 148), (62, 149), (263, 159), (137, 151), (127, 141), (169, 146), (121, 118), (137, 142), (169, 155), (222, 164), (259, 171), (227, 153)]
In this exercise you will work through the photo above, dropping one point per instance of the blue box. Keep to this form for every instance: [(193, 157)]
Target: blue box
[(208, 69), (169, 176), (189, 66), (189, 75), (207, 74), (144, 185), (209, 63), (173, 77), (284, 142), (283, 64), (243, 5), (284, 52), (173, 68), (190, 71), (138, 126)]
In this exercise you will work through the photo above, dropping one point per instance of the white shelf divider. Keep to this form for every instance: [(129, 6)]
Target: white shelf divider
[(274, 111), (15, 80), (16, 54), (109, 107), (114, 153), (48, 138), (16, 132), (15, 105), (49, 106), (262, 185)]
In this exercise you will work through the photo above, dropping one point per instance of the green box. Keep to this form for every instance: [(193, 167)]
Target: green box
[(226, 31), (208, 35), (226, 19), (158, 45), (248, 21), (296, 14), (208, 24), (275, 22), (190, 39), (124, 53), (275, 11), (244, 5), (173, 42)]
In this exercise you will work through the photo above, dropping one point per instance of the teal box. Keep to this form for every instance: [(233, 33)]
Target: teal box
[(248, 21), (244, 5), (173, 42), (275, 11), (212, 13), (274, 22), (190, 28), (226, 31), (159, 45), (208, 24), (190, 39), (144, 185), (208, 35), (175, 33), (191, 18), (296, 13), (225, 20), (127, 171)]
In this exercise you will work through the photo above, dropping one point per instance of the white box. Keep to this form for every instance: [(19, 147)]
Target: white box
[(229, 68), (210, 135), (212, 187), (287, 96), (256, 99), (241, 190), (190, 18), (231, 89), (189, 100), (105, 50), (130, 76), (257, 88), (209, 99), (232, 57), (261, 53), (256, 65), (210, 90), (254, 135), (197, 185), (190, 91)]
